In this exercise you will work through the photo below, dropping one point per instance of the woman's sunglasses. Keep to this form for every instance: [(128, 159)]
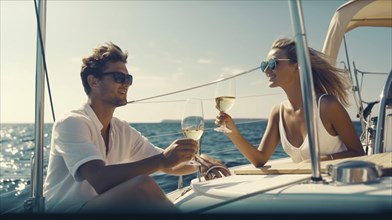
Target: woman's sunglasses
[(271, 64), (120, 77)]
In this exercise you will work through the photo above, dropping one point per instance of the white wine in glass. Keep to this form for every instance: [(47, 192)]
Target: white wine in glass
[(225, 98), (192, 123)]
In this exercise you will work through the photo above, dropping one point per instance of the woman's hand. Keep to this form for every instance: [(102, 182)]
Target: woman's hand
[(224, 117)]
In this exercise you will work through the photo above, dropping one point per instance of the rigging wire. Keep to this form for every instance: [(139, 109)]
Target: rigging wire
[(205, 129), (134, 101), (195, 87), (181, 100), (44, 59), (363, 76)]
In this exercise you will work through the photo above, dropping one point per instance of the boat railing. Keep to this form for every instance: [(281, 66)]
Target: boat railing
[(384, 121), (368, 121)]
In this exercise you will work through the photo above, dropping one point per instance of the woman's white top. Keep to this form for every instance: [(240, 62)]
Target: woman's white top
[(328, 144)]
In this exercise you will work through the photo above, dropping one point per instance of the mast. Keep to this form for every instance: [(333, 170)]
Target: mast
[(36, 203), (306, 85)]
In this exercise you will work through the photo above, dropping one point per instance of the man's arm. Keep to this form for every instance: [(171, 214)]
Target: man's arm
[(103, 177)]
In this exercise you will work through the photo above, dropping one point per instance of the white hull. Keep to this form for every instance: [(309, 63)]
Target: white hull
[(284, 193)]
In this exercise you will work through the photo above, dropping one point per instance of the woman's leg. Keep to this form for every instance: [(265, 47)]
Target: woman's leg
[(140, 194)]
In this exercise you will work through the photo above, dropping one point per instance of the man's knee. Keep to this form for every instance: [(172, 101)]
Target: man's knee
[(143, 180), (145, 183)]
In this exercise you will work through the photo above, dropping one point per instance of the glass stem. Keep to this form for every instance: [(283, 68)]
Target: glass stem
[(224, 125), (199, 153)]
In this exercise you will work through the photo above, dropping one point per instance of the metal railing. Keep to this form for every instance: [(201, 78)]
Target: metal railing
[(307, 85)]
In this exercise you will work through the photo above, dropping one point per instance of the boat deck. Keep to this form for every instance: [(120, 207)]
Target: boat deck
[(282, 186)]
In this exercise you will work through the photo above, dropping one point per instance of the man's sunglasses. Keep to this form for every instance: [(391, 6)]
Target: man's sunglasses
[(271, 64), (120, 77)]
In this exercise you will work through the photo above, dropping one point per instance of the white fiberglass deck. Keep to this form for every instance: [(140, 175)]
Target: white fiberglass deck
[(280, 193)]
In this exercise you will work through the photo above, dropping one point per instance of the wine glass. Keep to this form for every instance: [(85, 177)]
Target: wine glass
[(224, 98), (192, 123)]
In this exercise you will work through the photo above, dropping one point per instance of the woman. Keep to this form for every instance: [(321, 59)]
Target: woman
[(286, 123)]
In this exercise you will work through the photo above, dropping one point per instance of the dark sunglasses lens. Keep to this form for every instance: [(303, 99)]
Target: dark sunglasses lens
[(272, 64), (129, 79), (263, 66), (122, 78)]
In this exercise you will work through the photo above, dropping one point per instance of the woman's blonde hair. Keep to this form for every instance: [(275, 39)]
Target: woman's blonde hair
[(326, 78)]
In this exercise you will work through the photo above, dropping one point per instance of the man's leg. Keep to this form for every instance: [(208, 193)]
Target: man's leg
[(140, 194)]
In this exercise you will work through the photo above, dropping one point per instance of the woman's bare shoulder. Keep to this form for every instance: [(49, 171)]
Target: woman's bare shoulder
[(331, 108), (274, 115)]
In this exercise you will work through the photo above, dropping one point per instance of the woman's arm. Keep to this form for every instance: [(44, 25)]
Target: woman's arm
[(271, 137), (257, 156)]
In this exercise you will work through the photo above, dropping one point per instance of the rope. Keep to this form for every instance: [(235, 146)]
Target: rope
[(195, 87)]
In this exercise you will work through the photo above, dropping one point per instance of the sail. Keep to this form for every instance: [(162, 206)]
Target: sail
[(354, 14)]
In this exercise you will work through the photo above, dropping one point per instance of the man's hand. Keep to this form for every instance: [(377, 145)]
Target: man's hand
[(212, 168), (179, 151)]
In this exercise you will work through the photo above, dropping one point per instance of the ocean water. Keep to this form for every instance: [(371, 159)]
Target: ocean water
[(17, 148)]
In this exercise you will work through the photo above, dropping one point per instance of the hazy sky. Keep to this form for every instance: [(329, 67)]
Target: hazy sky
[(172, 45)]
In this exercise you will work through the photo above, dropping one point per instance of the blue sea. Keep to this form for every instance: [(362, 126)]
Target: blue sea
[(17, 147)]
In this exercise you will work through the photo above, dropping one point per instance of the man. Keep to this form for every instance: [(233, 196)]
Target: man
[(98, 163)]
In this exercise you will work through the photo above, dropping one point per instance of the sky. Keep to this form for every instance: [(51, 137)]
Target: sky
[(172, 45)]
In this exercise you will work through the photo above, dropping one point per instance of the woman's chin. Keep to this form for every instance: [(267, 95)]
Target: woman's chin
[(272, 85)]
